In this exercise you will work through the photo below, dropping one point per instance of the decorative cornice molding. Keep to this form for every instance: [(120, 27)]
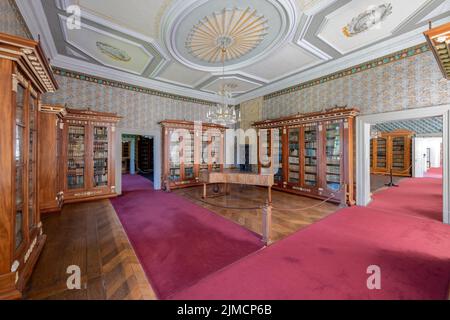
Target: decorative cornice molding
[(20, 18), (394, 57), (122, 85)]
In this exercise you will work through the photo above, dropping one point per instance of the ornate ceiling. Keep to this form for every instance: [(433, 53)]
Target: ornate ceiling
[(176, 45)]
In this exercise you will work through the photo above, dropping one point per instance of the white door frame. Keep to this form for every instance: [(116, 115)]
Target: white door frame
[(156, 134), (363, 124)]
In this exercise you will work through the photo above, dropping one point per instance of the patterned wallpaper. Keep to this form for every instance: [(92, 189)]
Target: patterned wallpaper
[(140, 110), (413, 82), (11, 21), (251, 111)]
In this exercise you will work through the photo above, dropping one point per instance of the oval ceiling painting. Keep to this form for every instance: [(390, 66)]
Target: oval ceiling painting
[(367, 20), (113, 52)]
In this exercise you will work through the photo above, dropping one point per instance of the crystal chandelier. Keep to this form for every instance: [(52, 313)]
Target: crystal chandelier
[(223, 113)]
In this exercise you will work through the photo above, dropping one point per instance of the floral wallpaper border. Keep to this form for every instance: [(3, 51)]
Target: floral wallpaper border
[(116, 84), (399, 55)]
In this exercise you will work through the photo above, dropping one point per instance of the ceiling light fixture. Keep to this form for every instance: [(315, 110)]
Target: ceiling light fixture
[(223, 113)]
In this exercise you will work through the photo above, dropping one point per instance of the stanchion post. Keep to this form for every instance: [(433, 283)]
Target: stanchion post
[(267, 223), (343, 203), (204, 191)]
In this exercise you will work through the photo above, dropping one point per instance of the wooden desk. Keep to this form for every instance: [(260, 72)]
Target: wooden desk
[(245, 179)]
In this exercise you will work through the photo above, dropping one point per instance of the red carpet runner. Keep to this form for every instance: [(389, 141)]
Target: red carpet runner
[(178, 242), (329, 259)]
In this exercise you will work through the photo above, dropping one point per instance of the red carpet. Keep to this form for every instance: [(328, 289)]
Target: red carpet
[(420, 197), (329, 259), (178, 242), (436, 173)]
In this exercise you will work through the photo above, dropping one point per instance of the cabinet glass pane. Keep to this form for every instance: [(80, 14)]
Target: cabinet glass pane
[(333, 154), (294, 156), (371, 152), (174, 156), (101, 142), (310, 155), (398, 153), (278, 154), (188, 156), (18, 232), (20, 101), (76, 157), (215, 152), (381, 153), (204, 152), (265, 145), (32, 163), (19, 161)]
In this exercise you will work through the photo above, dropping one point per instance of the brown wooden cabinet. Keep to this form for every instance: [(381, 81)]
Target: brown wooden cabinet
[(24, 76), (51, 194), (314, 152), (88, 163), (189, 151), (392, 150)]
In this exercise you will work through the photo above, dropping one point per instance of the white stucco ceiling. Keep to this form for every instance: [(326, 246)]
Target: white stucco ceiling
[(276, 42)]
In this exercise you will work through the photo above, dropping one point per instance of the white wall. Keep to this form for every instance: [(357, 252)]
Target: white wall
[(421, 144)]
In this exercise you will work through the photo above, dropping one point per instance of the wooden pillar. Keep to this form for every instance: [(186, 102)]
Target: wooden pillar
[(267, 223)]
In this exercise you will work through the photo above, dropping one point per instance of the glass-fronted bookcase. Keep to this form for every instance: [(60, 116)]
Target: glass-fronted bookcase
[(392, 151), (189, 151), (25, 76), (88, 166), (315, 153)]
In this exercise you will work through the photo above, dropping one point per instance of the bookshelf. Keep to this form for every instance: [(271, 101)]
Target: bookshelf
[(88, 155), (188, 152), (392, 150), (25, 76), (316, 152)]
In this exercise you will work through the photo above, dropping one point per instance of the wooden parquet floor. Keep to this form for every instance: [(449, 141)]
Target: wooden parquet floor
[(90, 236), (284, 221)]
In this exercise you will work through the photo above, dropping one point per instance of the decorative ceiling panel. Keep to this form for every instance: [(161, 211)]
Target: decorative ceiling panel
[(175, 45), (359, 23), (108, 49)]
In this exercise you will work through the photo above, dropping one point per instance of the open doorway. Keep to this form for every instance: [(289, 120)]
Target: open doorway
[(397, 145), (138, 156), (405, 149)]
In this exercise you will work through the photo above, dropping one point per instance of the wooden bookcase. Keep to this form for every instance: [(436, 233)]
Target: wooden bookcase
[(392, 150), (315, 154), (51, 194), (88, 155), (189, 151), (24, 76)]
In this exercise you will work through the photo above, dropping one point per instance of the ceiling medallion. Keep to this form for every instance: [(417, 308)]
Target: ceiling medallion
[(239, 31), (113, 52), (367, 20)]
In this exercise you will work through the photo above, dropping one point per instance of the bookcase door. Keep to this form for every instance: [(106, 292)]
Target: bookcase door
[(188, 155), (174, 146), (333, 158), (400, 161), (381, 160), (310, 156), (77, 157), (277, 147), (293, 178), (101, 142), (265, 151), (20, 197), (216, 146)]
